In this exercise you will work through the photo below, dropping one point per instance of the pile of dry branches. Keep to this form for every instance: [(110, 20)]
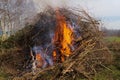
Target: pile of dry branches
[(86, 59)]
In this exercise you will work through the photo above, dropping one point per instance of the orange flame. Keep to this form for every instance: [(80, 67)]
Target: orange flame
[(54, 55), (63, 36), (39, 60)]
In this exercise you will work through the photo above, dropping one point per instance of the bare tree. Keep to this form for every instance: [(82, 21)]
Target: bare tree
[(4, 17), (13, 14)]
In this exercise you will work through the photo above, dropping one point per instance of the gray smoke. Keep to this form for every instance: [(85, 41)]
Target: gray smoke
[(42, 4)]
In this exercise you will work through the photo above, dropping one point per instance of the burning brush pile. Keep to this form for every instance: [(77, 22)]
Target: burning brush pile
[(64, 45)]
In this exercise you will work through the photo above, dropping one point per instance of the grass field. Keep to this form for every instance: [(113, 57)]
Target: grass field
[(111, 72), (114, 43), (112, 39)]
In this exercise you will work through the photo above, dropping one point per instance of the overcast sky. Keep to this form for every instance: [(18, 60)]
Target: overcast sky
[(106, 10)]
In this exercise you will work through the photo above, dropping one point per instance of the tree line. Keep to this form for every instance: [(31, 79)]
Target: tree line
[(111, 32)]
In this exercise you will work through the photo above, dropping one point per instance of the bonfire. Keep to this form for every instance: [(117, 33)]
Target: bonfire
[(64, 44)]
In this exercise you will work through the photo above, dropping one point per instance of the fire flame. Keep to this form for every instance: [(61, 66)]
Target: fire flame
[(39, 60), (63, 37)]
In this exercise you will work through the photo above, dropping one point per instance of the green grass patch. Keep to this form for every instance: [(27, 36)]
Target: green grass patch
[(113, 74), (113, 71), (112, 39), (3, 76)]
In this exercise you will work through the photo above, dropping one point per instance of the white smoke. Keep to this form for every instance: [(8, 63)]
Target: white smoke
[(42, 4)]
